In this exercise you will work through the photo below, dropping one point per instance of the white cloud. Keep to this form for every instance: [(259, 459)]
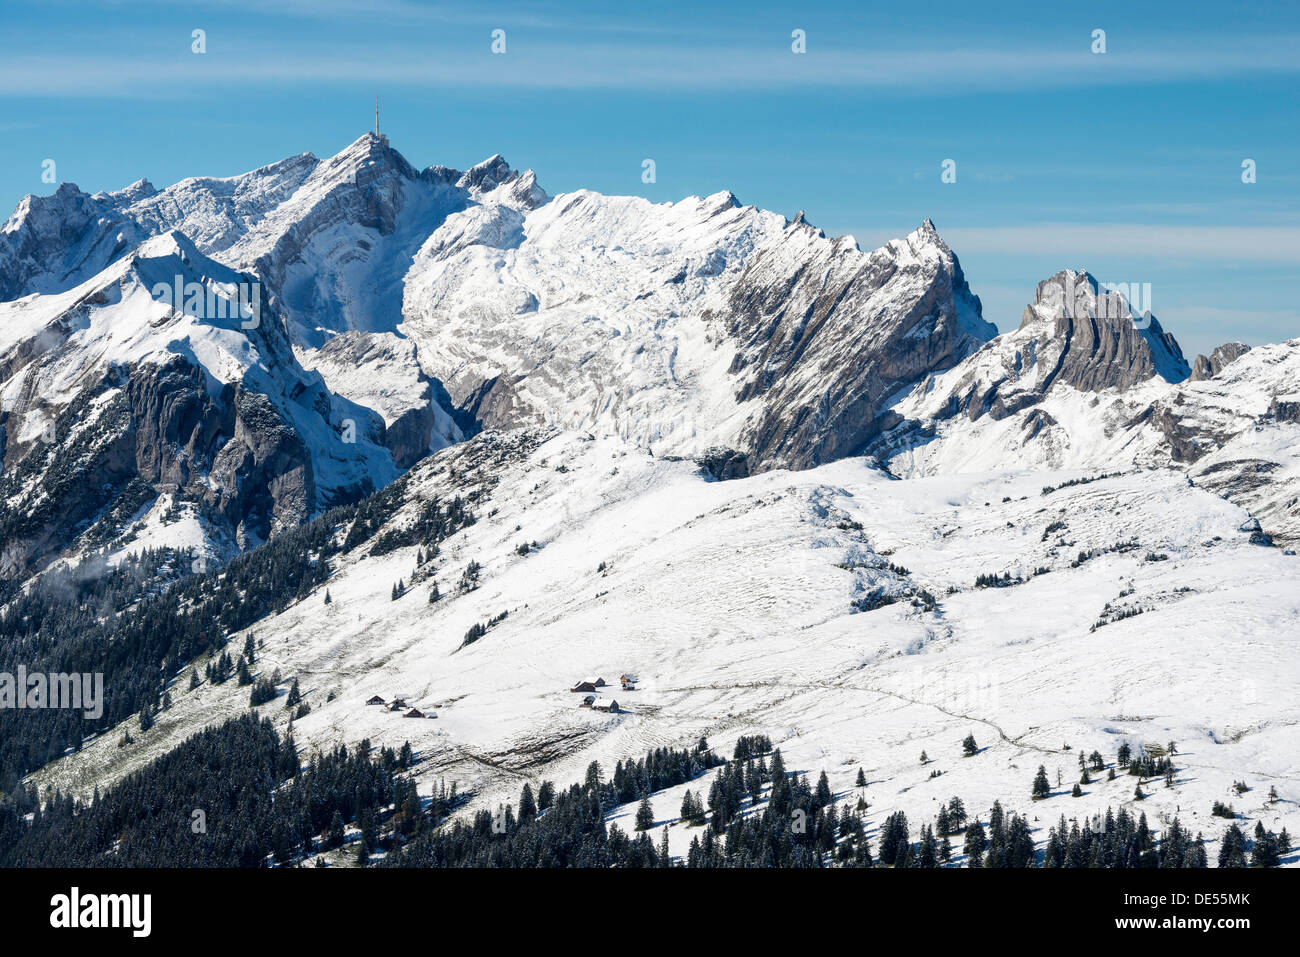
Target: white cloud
[(647, 63), (1076, 243)]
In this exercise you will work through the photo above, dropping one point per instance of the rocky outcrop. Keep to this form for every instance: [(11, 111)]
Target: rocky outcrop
[(827, 336), (722, 464), (179, 425), (685, 326), (1101, 343), (232, 452), (1074, 336), (496, 405), (263, 477), (1208, 368), (52, 243)]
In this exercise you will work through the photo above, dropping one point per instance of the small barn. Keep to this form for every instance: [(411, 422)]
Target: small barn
[(605, 704), (399, 703), (588, 701), (583, 686), (376, 700), (414, 713)]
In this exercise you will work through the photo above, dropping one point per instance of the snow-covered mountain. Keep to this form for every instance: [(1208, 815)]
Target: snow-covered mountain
[(1069, 514), (682, 326), (119, 400), (1087, 385)]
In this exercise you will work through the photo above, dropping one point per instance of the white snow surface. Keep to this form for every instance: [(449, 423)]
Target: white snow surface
[(733, 603)]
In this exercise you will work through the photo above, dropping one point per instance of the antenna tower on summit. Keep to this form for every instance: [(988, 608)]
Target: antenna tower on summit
[(376, 114)]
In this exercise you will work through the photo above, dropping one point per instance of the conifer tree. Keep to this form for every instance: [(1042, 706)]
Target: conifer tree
[(527, 805), (1232, 848), (545, 796), (956, 813), (645, 815), (975, 844), (334, 834), (824, 795), (1042, 787)]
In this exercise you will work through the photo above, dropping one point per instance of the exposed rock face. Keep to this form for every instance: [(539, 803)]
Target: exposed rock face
[(723, 464), (827, 336), (1073, 337), (179, 425), (1075, 387), (1205, 368), (268, 456), (233, 452), (1102, 344), (61, 483)]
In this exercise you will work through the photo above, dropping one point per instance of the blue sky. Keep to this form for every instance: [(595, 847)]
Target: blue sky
[(1126, 163)]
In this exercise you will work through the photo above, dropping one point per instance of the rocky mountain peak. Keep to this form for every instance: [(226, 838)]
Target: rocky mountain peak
[(141, 189), (1104, 341), (369, 157), (487, 175), (1208, 367)]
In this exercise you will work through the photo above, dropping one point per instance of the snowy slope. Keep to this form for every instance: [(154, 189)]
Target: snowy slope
[(604, 342), (736, 605)]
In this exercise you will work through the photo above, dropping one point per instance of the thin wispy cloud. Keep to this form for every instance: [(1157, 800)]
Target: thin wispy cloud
[(654, 66), (1078, 241)]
